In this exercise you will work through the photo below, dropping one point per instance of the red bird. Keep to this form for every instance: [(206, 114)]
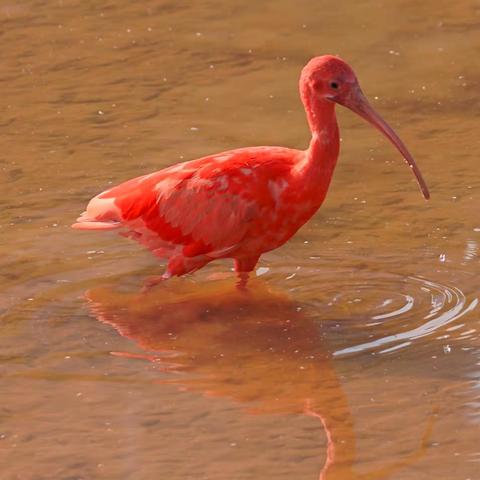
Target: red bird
[(240, 203)]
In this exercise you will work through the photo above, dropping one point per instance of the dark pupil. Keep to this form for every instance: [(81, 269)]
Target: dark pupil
[(334, 85)]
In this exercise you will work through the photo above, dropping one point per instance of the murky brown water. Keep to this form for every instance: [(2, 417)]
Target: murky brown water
[(355, 356)]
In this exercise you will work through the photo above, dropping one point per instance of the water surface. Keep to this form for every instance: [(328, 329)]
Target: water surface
[(356, 353)]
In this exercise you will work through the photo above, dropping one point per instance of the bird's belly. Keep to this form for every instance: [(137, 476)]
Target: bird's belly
[(138, 230)]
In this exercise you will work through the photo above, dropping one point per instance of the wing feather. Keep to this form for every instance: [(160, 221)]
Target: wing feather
[(205, 206)]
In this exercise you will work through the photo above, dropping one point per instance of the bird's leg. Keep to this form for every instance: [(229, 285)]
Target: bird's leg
[(150, 282), (177, 266), (242, 280), (308, 410), (243, 267)]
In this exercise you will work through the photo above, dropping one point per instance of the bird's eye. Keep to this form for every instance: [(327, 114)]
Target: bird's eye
[(334, 85)]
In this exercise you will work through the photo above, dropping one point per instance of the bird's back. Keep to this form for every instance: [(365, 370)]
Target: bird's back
[(202, 207)]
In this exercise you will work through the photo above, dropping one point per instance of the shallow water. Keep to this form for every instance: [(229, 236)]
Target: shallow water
[(356, 353)]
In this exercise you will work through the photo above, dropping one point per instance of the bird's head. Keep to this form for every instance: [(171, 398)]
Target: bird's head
[(330, 79)]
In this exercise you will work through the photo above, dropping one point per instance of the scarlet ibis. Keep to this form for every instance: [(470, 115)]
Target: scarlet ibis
[(240, 203)]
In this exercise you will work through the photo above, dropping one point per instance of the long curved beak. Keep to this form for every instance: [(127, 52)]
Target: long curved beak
[(357, 102)]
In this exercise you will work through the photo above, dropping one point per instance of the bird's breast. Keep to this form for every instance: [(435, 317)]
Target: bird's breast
[(277, 225)]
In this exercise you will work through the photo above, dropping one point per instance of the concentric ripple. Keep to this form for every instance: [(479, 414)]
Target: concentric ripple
[(381, 313), (447, 305)]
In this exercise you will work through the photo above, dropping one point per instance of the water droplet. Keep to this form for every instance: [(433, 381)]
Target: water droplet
[(261, 271)]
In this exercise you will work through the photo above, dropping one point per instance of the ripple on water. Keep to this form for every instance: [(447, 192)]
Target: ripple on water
[(391, 312)]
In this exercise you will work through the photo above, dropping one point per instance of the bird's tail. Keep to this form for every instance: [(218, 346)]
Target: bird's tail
[(101, 214)]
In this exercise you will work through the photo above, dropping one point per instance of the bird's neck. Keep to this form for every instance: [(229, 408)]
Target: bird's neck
[(317, 166)]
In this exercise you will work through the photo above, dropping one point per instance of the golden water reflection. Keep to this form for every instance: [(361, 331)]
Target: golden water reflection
[(255, 347), (94, 93)]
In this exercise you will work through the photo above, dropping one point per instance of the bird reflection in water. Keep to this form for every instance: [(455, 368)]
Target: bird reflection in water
[(256, 347)]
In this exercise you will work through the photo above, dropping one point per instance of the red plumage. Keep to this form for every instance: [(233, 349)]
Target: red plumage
[(236, 204)]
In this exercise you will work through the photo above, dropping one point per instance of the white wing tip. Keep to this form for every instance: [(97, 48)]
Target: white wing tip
[(95, 225)]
